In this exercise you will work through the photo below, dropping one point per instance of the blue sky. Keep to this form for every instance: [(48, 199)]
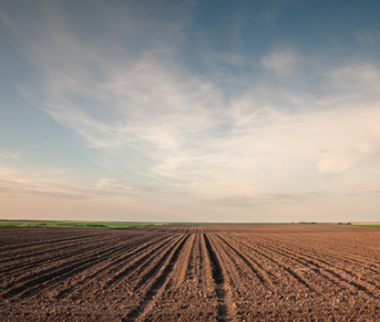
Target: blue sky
[(226, 111)]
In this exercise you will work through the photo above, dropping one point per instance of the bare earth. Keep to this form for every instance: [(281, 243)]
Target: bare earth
[(179, 273)]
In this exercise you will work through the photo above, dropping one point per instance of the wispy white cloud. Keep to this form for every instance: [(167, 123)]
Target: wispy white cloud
[(8, 155), (282, 63), (6, 172), (15, 182), (368, 37), (177, 132), (189, 132), (112, 183)]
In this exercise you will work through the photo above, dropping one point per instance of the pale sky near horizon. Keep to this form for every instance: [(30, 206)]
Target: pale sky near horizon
[(213, 111)]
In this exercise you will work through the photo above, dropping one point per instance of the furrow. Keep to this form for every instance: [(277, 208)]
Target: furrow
[(358, 260), (219, 279), (200, 271), (354, 256), (190, 273), (184, 266), (305, 267), (59, 273), (138, 266), (332, 273), (78, 258), (17, 269), (261, 277), (354, 249), (133, 252), (48, 242), (296, 276), (162, 275), (146, 277), (29, 254)]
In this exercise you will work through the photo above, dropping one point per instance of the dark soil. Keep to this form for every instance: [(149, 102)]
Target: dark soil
[(179, 273)]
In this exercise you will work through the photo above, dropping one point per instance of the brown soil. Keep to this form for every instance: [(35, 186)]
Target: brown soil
[(179, 273)]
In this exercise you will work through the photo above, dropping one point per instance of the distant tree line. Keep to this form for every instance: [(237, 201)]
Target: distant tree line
[(308, 223)]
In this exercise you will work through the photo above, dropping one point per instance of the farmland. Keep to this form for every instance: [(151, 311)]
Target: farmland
[(190, 273), (76, 224)]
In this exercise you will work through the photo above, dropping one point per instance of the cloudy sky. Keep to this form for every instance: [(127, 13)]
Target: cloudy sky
[(223, 111)]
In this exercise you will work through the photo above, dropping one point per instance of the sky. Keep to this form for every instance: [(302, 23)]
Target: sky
[(190, 111)]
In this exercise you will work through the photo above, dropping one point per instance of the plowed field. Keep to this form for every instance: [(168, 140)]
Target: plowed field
[(179, 273)]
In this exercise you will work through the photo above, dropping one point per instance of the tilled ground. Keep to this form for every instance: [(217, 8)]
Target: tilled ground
[(179, 273)]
